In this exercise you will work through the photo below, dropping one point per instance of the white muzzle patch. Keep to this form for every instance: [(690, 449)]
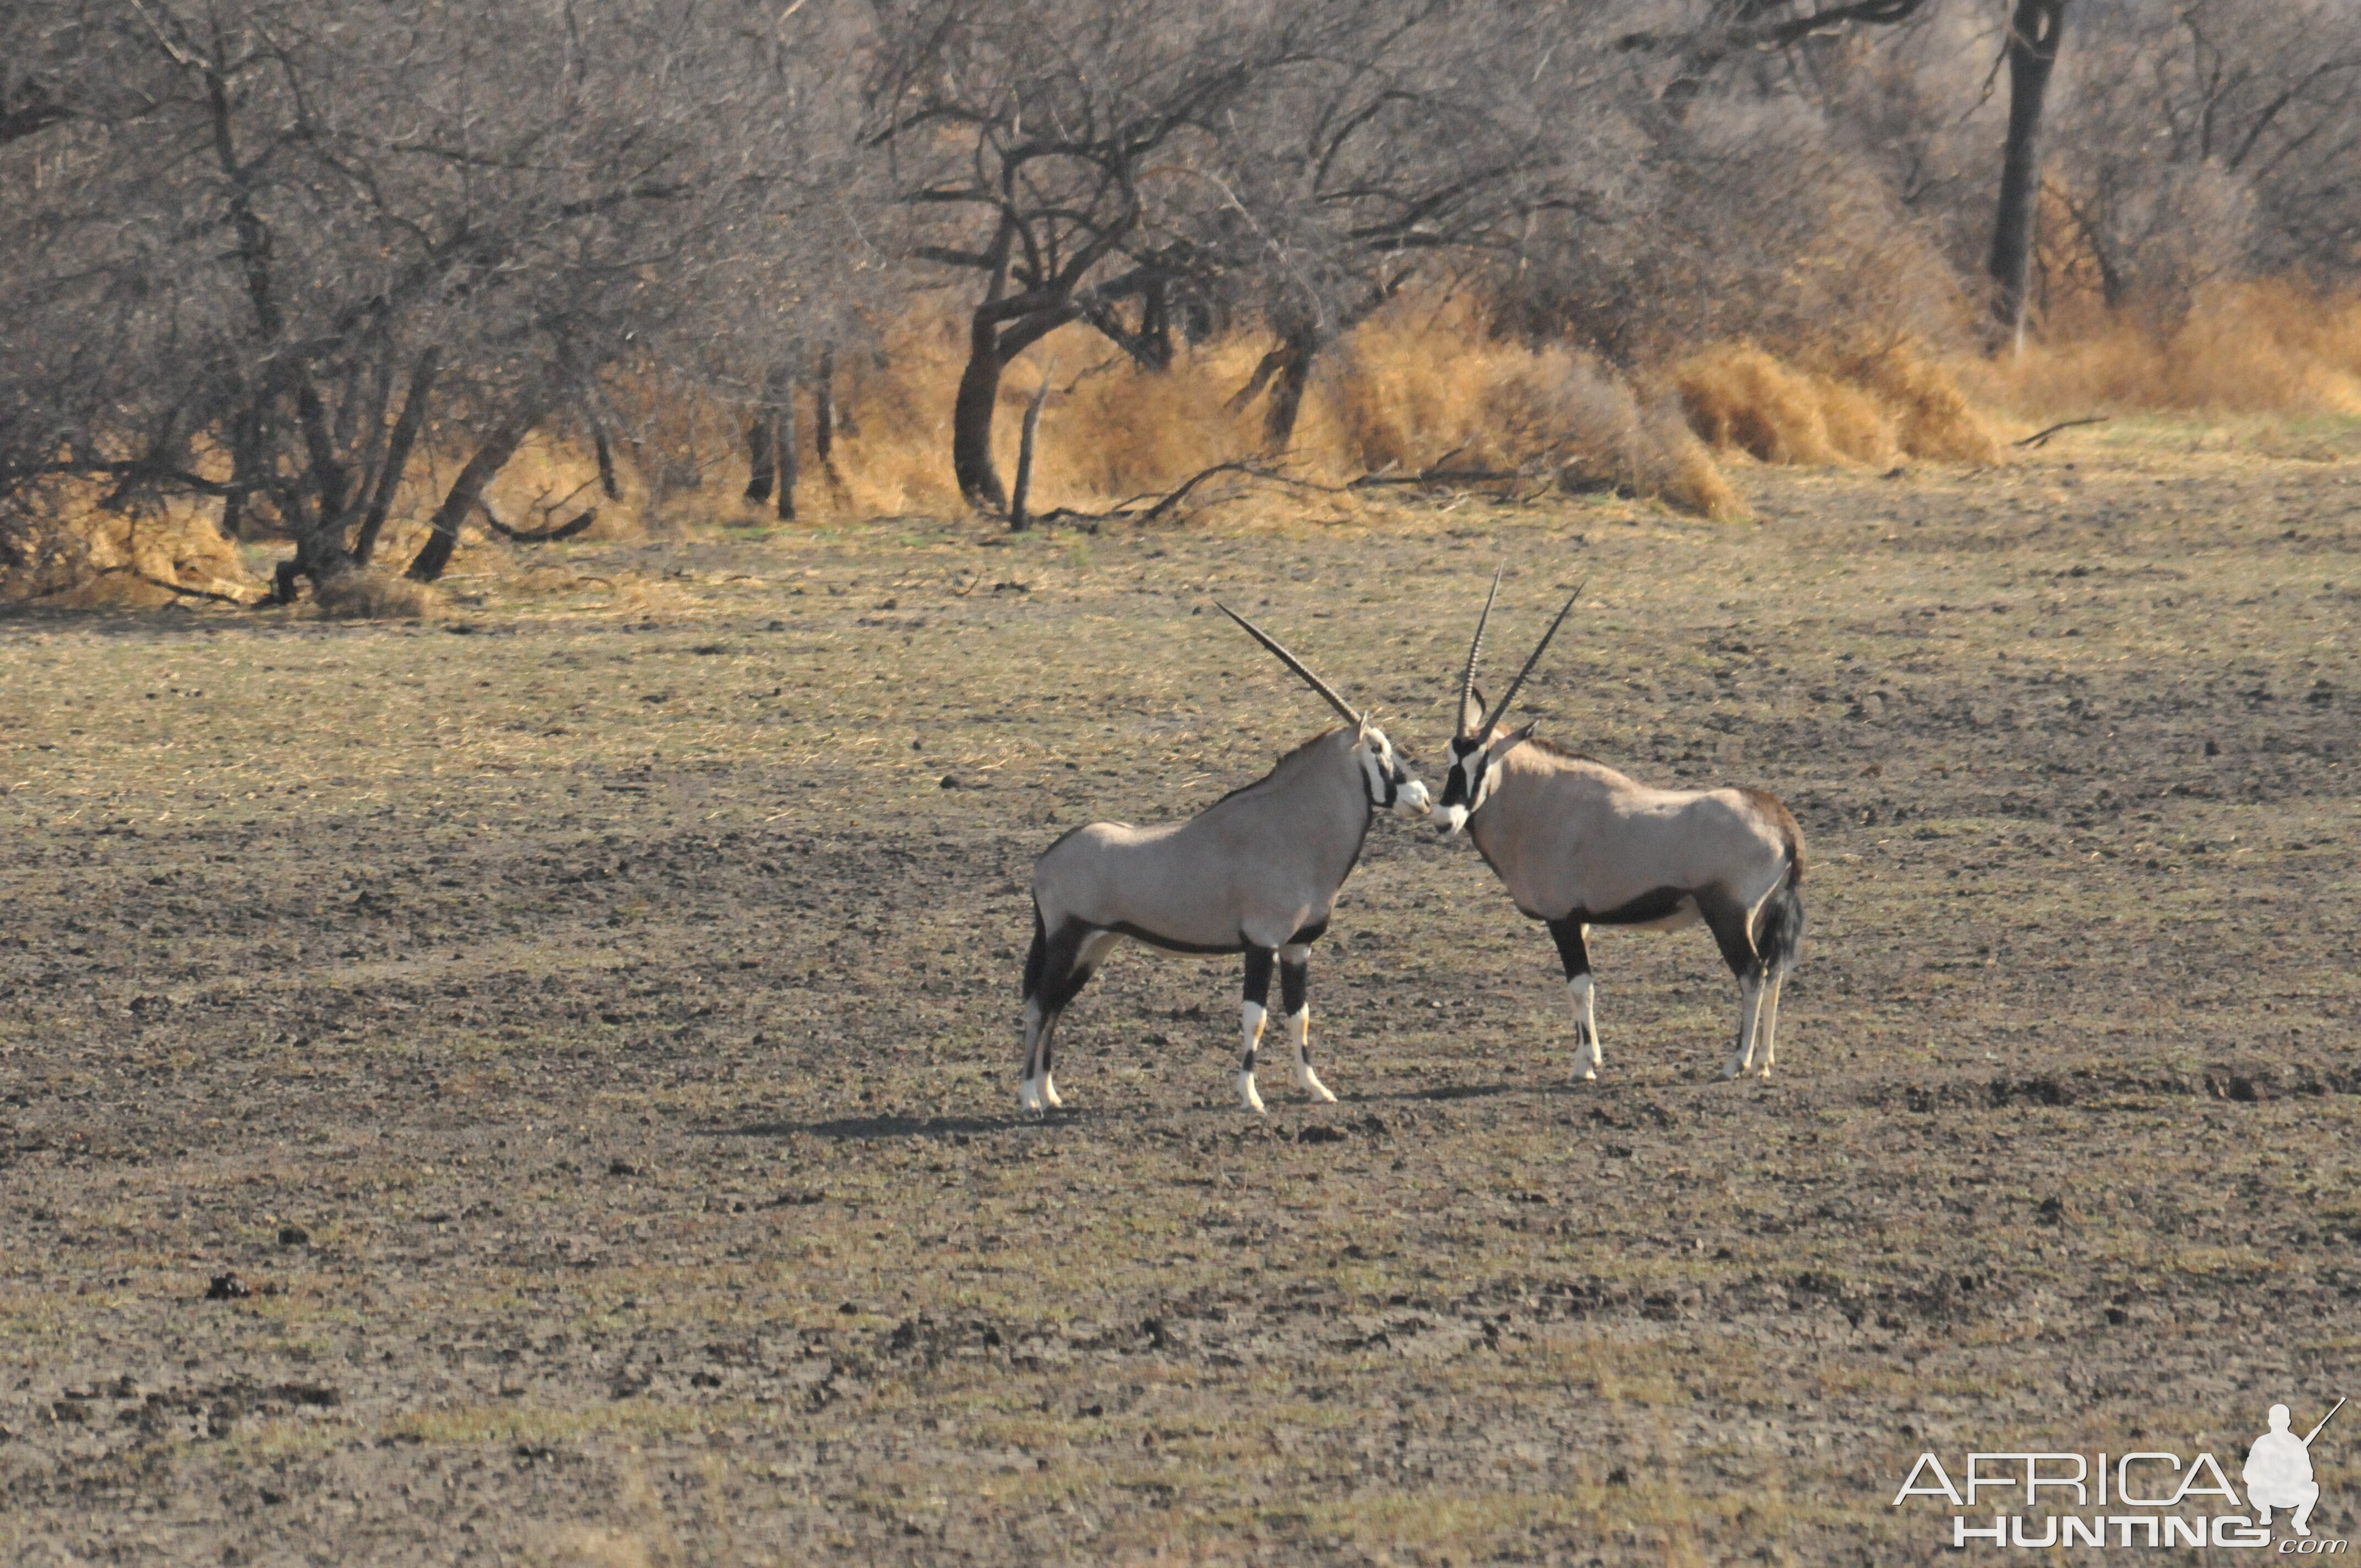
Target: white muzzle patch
[(1450, 818), (1414, 798)]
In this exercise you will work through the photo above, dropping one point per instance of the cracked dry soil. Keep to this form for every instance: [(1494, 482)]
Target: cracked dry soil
[(585, 1048)]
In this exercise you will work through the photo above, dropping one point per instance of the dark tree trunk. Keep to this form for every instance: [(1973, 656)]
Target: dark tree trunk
[(757, 456), (1017, 518), (824, 407), (465, 491), (2033, 40), (971, 412), (783, 443), (1155, 326), (606, 451), (406, 426), (1288, 379), (245, 470)]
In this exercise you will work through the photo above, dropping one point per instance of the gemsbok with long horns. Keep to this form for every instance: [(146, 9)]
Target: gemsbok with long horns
[(1578, 844), (1256, 872)]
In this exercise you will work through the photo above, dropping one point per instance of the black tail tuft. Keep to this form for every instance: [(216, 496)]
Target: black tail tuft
[(1034, 960), (1779, 928)]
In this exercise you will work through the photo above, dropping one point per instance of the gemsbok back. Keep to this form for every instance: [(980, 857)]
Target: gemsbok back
[(1256, 872), (1578, 844)]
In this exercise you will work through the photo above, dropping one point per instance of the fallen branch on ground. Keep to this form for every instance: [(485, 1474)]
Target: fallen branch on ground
[(2041, 437), (538, 536), (175, 587), (1165, 503)]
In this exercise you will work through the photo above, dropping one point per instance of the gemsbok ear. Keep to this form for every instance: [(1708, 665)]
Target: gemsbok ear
[(1516, 740)]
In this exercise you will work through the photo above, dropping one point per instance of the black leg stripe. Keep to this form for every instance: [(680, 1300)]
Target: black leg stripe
[(1259, 966), (1294, 986)]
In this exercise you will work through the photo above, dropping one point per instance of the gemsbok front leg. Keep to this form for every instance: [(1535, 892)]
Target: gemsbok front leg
[(1252, 1012), (1295, 1001), (1574, 952)]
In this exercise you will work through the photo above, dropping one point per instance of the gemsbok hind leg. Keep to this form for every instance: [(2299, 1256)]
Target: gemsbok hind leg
[(1295, 1006), (1574, 951), (1732, 926), (1766, 1027), (1058, 967), (1252, 1012)]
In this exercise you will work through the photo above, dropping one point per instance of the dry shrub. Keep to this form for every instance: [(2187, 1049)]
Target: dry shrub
[(1400, 392), (1932, 418), (58, 544), (1869, 410), (1407, 394), (371, 595), (2274, 345), (1736, 395)]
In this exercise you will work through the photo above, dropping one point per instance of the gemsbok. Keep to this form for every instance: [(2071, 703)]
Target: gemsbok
[(1256, 872), (1577, 844)]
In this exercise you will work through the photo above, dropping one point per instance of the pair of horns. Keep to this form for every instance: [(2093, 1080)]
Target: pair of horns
[(1467, 680), (1350, 715)]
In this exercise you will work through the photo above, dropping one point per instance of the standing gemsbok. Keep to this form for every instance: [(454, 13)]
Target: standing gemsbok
[(1578, 844), (1255, 872)]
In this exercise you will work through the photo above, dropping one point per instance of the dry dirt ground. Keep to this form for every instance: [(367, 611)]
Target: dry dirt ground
[(586, 1023)]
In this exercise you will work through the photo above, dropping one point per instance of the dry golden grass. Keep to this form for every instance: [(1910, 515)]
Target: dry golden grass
[(1871, 409), (68, 551), (1418, 386), (368, 595), (2273, 346)]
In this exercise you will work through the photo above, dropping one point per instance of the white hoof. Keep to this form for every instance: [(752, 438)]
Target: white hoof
[(1765, 1072), (1309, 1082), (1247, 1095), (1029, 1099), (1050, 1091), (1589, 1074), (1734, 1069)]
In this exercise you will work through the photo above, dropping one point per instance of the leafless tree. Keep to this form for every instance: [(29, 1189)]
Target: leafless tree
[(296, 235)]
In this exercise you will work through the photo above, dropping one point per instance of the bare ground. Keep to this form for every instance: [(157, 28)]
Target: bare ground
[(586, 1024)]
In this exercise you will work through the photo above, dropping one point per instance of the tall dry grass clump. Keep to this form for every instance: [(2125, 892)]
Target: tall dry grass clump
[(1871, 409), (371, 594), (1401, 393), (61, 544), (2271, 346), (1407, 394)]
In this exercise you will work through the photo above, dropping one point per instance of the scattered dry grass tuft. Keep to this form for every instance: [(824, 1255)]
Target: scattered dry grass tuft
[(368, 595)]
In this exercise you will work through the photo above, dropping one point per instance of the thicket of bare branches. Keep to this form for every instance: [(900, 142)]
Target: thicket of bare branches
[(271, 253)]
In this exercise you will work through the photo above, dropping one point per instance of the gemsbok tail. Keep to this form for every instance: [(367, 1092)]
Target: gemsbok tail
[(1035, 960), (1779, 925)]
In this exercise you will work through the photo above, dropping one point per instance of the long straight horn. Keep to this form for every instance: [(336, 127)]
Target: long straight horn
[(1292, 663), (1510, 695), (1467, 681)]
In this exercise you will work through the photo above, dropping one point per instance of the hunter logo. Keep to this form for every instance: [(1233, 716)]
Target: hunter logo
[(2277, 1476)]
